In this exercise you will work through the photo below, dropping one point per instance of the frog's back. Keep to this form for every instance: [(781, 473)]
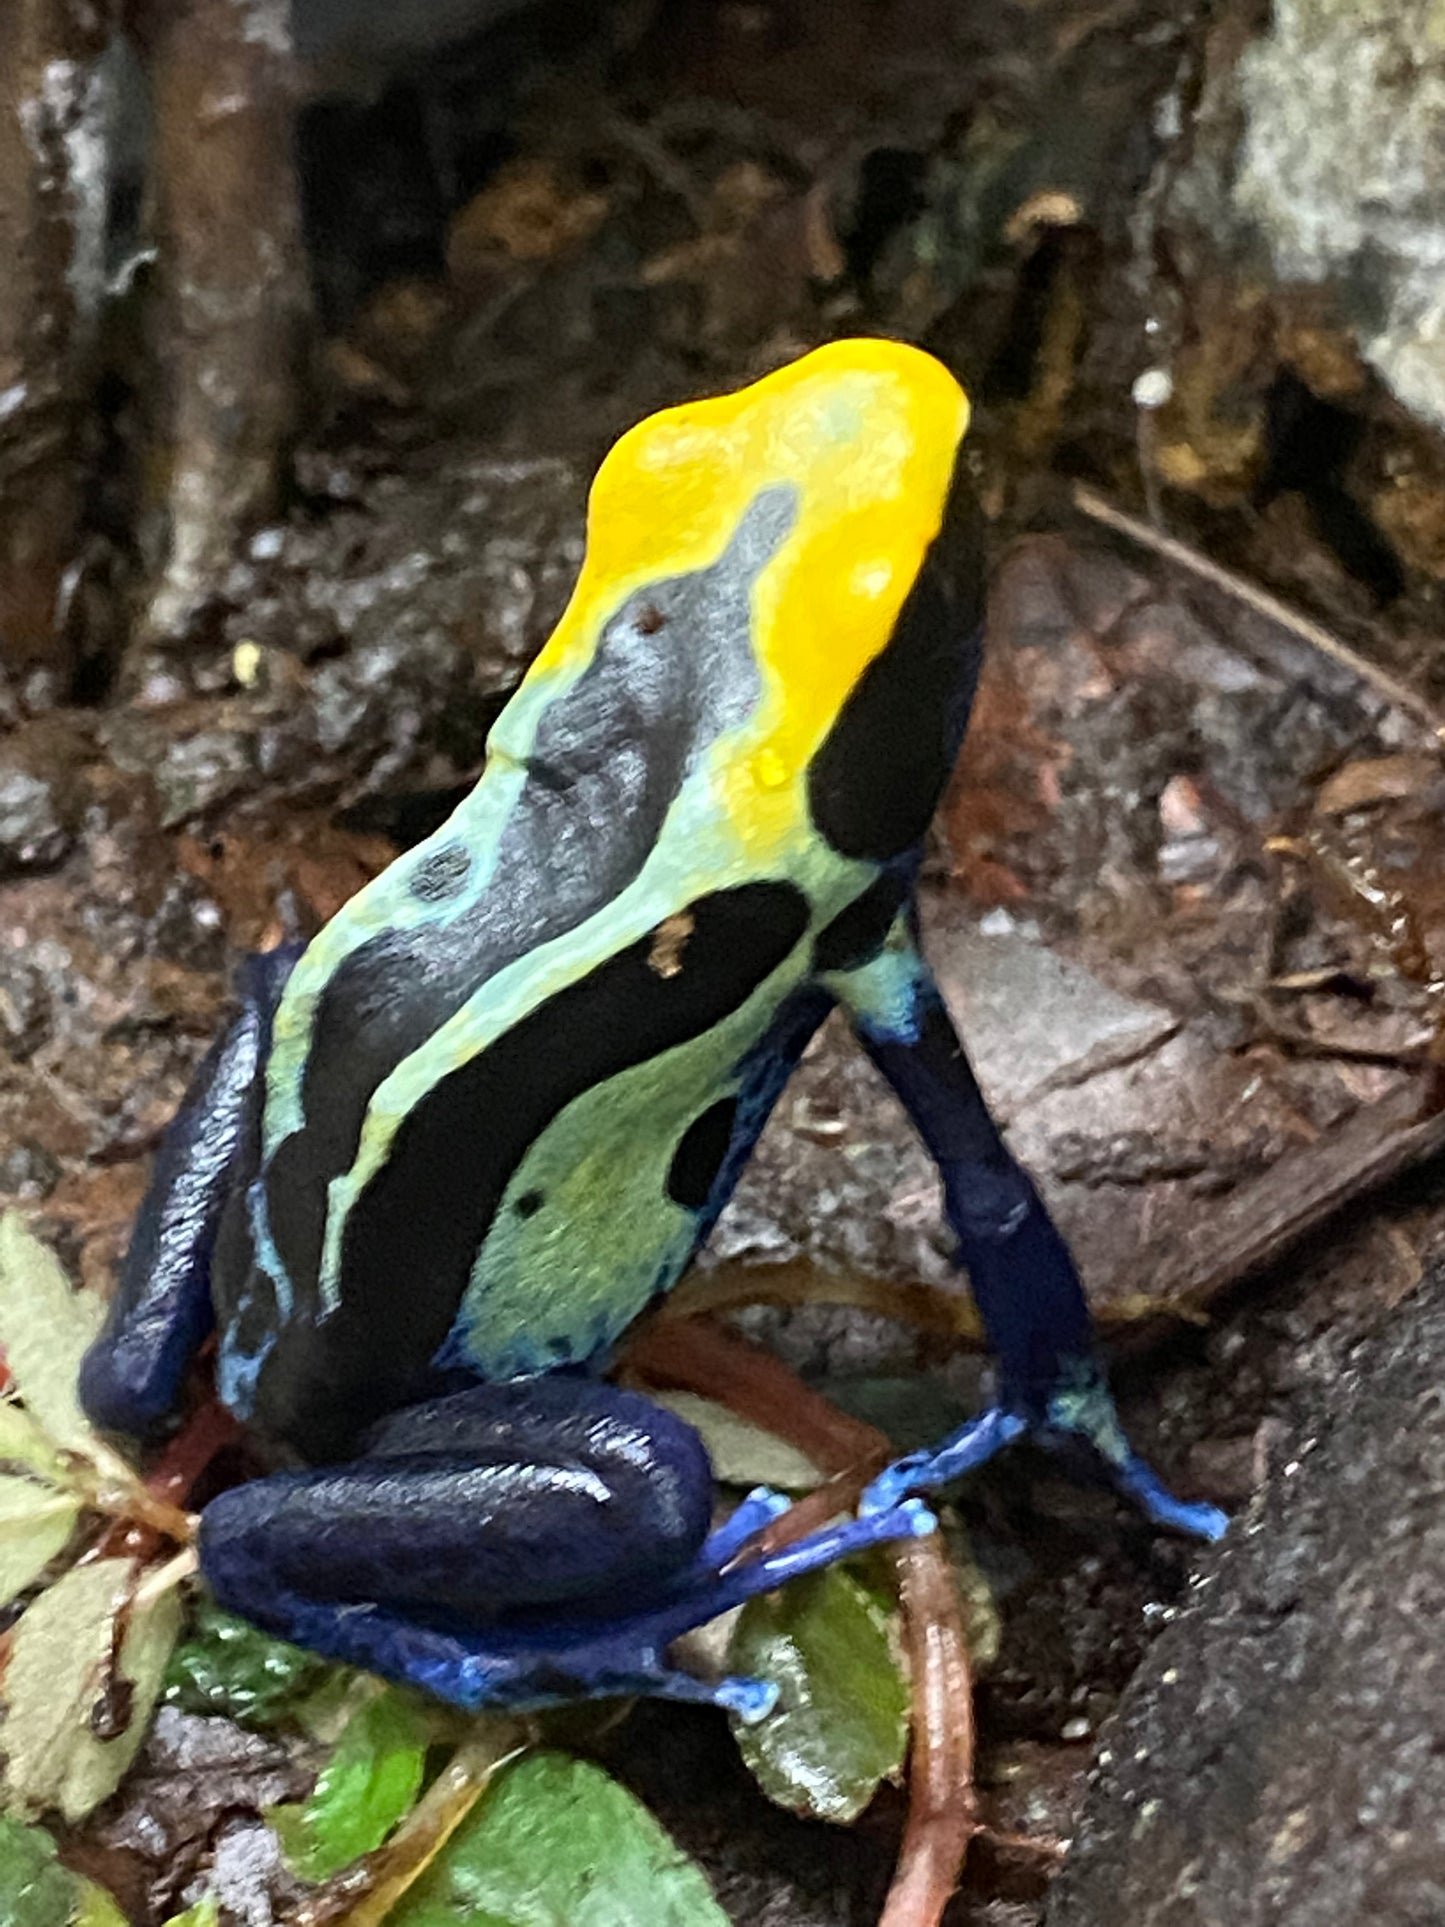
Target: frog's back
[(513, 1079)]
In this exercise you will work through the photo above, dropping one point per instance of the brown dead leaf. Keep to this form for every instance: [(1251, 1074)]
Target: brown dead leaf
[(349, 368), (1377, 779), (97, 1205), (1326, 359), (1410, 510), (821, 246), (528, 211), (1211, 434), (735, 202), (320, 865), (1006, 786), (762, 250)]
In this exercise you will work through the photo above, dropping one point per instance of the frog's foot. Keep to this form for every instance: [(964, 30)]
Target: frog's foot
[(1072, 1421), (543, 1659), (565, 1659), (759, 1509), (516, 1546)]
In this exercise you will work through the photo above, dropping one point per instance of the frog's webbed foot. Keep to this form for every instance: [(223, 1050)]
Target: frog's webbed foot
[(627, 1656), (1080, 1424), (1019, 1267), (516, 1546)]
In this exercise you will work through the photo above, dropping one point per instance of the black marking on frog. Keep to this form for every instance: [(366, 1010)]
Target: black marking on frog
[(860, 929), (875, 781), (700, 1154), (414, 1233), (608, 760)]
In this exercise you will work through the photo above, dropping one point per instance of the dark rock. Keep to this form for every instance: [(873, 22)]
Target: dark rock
[(385, 635), (1281, 1757), (40, 799), (25, 1005), (28, 1171), (186, 1805), (1330, 81), (198, 758), (377, 36)]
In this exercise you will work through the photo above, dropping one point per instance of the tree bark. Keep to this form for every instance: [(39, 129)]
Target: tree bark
[(232, 300), (52, 199)]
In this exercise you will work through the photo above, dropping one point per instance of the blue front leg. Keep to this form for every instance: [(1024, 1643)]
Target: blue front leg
[(514, 1546), (130, 1380), (1020, 1270)]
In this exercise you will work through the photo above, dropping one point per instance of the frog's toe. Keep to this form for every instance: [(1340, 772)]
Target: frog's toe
[(965, 1451), (704, 1595), (645, 1675), (1196, 1519), (751, 1699), (758, 1509), (1092, 1439)]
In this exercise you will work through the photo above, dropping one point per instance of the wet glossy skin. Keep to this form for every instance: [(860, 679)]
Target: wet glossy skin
[(448, 1153)]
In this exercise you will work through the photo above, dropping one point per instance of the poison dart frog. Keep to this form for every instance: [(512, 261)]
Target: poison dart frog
[(448, 1152)]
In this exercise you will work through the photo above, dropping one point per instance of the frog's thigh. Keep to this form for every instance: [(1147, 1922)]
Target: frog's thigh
[(550, 1492)]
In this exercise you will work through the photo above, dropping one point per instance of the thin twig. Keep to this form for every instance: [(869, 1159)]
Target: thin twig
[(733, 1285), (1027, 1846), (666, 170), (366, 1892), (164, 1579), (147, 1512), (1253, 1227), (698, 1356), (943, 1314), (942, 1810), (114, 1490), (1264, 604)]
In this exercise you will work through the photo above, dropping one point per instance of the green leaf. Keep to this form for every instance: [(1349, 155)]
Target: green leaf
[(97, 1908), (35, 1890), (742, 1453), (35, 1522), (45, 1331), (555, 1842), (59, 1663), (371, 1780), (205, 1913), (23, 1443), (841, 1722), (230, 1667), (915, 1409)]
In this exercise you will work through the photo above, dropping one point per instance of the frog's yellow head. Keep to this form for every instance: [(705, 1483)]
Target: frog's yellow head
[(841, 472)]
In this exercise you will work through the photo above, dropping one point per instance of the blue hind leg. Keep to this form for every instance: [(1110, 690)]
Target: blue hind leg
[(130, 1380), (1020, 1270), (514, 1546)]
